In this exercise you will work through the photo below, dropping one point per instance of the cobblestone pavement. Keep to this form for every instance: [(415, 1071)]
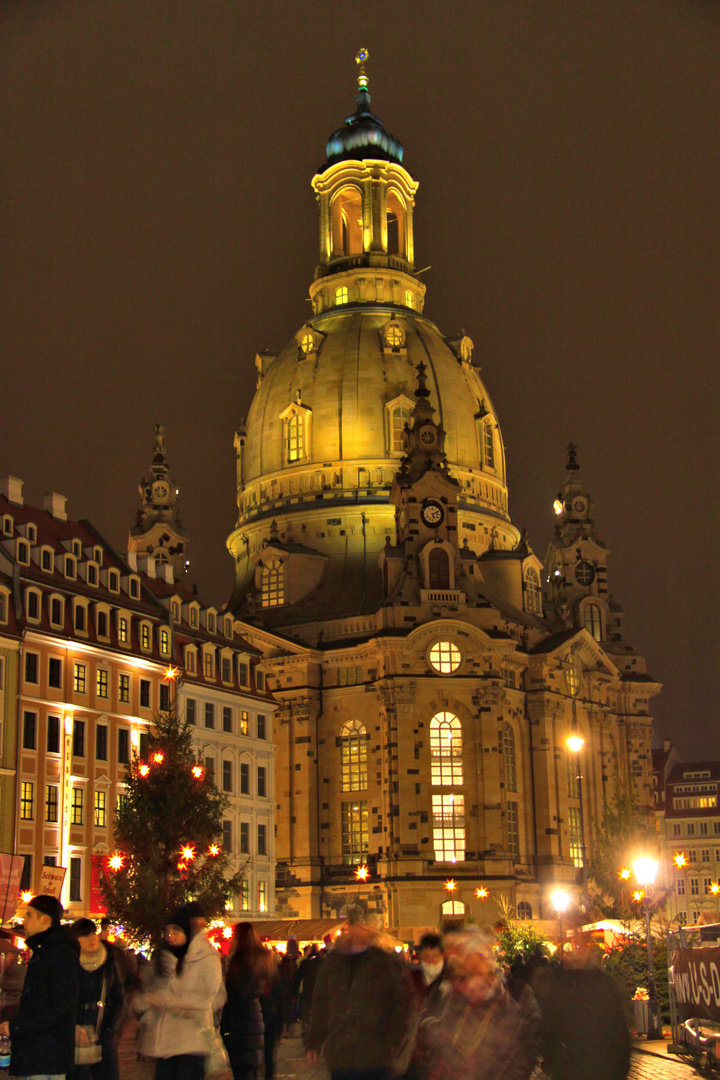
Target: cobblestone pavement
[(291, 1063)]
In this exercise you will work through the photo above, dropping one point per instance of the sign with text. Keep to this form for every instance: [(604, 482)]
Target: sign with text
[(697, 983), (11, 868), (51, 880)]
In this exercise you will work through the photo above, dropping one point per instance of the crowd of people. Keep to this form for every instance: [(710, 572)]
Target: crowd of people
[(448, 1012)]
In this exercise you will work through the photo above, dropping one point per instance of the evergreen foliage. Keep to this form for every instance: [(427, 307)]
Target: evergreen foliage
[(628, 963), (623, 832), (163, 812)]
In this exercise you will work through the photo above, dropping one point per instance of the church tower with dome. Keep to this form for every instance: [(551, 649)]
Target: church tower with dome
[(426, 688)]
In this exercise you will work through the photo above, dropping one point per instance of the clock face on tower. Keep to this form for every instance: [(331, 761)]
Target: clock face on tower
[(160, 491), (432, 513)]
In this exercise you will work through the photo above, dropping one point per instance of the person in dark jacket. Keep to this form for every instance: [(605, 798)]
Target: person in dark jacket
[(43, 1032), (364, 1012), (241, 1025), (99, 969), (305, 985)]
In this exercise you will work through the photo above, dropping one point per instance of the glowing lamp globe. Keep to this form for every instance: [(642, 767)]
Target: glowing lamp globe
[(560, 901), (645, 870), (575, 743)]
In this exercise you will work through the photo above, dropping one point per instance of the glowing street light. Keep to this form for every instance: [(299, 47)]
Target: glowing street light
[(646, 871), (575, 743), (560, 901)]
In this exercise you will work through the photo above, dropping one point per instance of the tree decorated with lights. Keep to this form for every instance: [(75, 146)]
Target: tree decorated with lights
[(623, 830), (168, 836)]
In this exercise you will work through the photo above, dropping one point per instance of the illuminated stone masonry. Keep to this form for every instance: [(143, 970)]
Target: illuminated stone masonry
[(427, 675)]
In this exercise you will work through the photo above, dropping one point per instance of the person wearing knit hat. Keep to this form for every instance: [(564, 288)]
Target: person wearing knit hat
[(43, 1031), (100, 979)]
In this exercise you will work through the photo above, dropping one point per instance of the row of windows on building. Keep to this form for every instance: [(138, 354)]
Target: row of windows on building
[(68, 564), (694, 886), (225, 718), (76, 883), (102, 678), (696, 828)]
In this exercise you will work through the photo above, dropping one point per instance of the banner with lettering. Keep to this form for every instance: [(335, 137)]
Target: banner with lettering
[(11, 868), (697, 983)]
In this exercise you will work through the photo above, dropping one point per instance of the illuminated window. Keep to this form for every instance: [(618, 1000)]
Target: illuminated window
[(409, 299), (175, 608), (353, 757), (446, 749), (245, 895), (399, 417), (102, 683), (144, 636), (508, 745), (51, 803), (453, 907), (244, 722), (341, 294), (271, 584), (488, 445), (79, 679), (533, 595), (575, 835), (449, 827), (164, 642), (394, 336), (122, 630), (26, 801), (524, 910), (296, 437), (573, 788), (100, 809), (193, 617), (262, 896), (445, 657), (592, 620), (512, 828), (124, 688), (307, 343), (208, 665), (354, 832), (76, 807)]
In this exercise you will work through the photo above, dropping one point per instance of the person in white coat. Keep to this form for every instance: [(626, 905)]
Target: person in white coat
[(184, 990)]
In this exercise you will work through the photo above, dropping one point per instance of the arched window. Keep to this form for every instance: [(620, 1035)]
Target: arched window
[(487, 445), (396, 225), (409, 299), (453, 907), (296, 437), (353, 757), (438, 569), (524, 910), (508, 745), (533, 596), (346, 223), (446, 766), (399, 417), (592, 620), (341, 294), (449, 827), (307, 343), (272, 586), (394, 336)]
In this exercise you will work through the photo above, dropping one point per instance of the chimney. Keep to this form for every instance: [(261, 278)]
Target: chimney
[(667, 746), (55, 505), (166, 572), (132, 559), (11, 488), (146, 565)]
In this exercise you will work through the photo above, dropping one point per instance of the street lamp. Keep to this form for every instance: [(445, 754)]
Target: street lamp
[(560, 901), (646, 872)]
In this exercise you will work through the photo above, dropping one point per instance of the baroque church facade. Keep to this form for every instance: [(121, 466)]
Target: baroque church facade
[(426, 680)]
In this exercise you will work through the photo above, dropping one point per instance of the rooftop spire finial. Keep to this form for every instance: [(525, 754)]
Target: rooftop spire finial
[(362, 56)]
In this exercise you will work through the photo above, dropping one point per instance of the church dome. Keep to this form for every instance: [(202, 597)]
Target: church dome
[(363, 134)]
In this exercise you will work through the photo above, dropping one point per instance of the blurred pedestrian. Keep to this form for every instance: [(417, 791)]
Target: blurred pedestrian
[(427, 976), (43, 1031), (477, 1031), (287, 969), (585, 1034), (305, 985), (241, 1024), (11, 984), (100, 1002), (364, 1012), (177, 1008)]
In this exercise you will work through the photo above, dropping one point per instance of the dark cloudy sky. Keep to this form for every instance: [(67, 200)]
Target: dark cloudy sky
[(157, 228)]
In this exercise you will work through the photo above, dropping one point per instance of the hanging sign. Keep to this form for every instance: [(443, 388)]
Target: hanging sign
[(51, 880)]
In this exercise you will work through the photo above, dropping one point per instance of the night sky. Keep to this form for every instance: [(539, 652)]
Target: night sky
[(158, 228)]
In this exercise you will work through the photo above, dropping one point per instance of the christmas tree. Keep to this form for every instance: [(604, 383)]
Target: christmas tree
[(168, 836)]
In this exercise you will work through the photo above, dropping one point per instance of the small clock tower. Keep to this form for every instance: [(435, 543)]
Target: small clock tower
[(158, 531), (577, 560)]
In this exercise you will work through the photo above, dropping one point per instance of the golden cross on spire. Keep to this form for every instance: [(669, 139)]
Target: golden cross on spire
[(361, 58)]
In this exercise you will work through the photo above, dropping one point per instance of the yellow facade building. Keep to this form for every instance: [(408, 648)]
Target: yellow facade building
[(426, 686)]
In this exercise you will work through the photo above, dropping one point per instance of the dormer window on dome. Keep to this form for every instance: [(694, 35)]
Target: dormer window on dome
[(296, 432), (308, 342), (394, 336)]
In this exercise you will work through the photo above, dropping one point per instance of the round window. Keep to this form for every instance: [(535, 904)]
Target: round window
[(445, 657), (394, 337), (584, 573)]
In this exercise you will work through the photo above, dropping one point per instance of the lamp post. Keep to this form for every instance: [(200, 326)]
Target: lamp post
[(560, 901), (575, 743), (646, 872)]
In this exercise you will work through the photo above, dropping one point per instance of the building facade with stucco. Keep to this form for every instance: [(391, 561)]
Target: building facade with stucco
[(428, 666)]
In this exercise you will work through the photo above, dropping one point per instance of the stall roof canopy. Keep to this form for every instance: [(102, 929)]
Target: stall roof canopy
[(301, 929)]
